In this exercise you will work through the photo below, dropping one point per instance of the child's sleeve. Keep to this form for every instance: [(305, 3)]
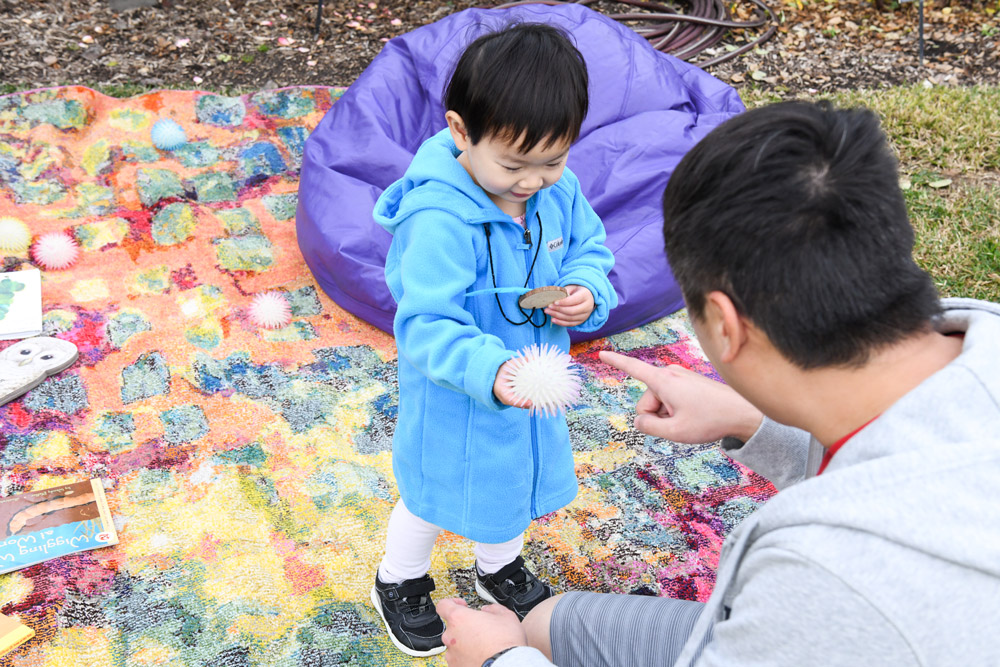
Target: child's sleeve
[(588, 261), (433, 330)]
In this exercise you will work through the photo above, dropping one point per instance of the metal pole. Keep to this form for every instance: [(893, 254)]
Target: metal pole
[(921, 32), (319, 14)]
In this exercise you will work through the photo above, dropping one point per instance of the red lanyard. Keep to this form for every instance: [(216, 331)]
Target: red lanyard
[(835, 447)]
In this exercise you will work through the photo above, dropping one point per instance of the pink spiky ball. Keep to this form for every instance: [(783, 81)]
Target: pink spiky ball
[(55, 250), (270, 310), (546, 376)]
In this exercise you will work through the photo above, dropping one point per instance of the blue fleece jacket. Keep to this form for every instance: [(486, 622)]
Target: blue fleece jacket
[(462, 460)]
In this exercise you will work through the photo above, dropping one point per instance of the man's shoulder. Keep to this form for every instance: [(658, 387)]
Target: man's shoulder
[(953, 305)]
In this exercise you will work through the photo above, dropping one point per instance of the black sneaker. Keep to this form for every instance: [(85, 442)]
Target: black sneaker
[(514, 586), (409, 615)]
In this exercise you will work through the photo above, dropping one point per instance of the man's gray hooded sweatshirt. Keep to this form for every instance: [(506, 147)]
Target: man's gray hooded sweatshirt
[(892, 555)]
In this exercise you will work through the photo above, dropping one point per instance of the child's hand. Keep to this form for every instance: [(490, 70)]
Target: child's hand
[(572, 309), (502, 390)]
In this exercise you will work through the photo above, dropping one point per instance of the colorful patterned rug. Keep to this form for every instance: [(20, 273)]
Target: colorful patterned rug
[(249, 470)]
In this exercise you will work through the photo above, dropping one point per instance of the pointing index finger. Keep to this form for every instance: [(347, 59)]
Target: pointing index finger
[(636, 368)]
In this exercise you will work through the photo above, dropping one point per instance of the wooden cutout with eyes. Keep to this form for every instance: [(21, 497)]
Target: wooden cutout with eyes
[(26, 363)]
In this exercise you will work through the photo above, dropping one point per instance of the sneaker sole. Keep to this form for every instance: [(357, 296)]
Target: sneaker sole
[(484, 594), (395, 642)]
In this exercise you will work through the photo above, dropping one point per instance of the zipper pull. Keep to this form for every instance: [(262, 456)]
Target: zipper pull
[(527, 237)]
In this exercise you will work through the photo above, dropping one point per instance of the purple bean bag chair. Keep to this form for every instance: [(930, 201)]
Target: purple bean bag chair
[(646, 110)]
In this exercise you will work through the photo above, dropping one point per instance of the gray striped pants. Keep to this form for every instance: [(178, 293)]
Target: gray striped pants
[(604, 630)]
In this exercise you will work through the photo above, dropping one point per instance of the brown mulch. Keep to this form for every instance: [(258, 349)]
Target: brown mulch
[(244, 45)]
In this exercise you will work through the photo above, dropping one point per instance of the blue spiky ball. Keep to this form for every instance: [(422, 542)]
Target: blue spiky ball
[(168, 135)]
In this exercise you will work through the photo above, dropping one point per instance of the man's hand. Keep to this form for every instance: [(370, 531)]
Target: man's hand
[(572, 309), (472, 636), (683, 406)]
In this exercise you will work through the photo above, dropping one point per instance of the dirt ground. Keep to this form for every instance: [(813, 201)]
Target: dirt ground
[(244, 45)]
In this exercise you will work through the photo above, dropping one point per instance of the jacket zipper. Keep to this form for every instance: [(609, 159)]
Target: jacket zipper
[(532, 420)]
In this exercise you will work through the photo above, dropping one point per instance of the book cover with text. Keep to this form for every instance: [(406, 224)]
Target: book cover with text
[(40, 525)]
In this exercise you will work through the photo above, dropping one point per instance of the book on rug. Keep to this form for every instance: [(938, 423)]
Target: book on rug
[(20, 304), (40, 525), (12, 634)]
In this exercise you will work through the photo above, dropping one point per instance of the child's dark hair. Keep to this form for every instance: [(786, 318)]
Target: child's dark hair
[(527, 79), (794, 211)]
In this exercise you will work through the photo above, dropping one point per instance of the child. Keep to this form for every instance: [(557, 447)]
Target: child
[(486, 205)]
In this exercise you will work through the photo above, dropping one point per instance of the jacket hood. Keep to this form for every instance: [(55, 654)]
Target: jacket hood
[(924, 473), (441, 179)]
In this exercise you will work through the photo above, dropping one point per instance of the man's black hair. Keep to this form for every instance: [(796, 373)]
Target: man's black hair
[(794, 211), (525, 79)]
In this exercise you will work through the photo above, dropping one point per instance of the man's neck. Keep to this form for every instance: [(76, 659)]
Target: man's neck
[(832, 402)]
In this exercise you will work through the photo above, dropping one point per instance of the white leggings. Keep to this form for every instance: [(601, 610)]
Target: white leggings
[(410, 540)]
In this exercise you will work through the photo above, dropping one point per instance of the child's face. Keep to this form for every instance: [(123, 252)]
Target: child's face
[(510, 177)]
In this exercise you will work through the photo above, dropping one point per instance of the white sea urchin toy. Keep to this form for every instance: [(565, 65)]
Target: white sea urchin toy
[(55, 250), (547, 377), (14, 235), (270, 310)]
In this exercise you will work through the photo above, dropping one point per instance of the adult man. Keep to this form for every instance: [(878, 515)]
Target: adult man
[(869, 405)]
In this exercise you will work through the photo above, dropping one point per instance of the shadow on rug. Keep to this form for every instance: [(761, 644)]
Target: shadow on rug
[(248, 470)]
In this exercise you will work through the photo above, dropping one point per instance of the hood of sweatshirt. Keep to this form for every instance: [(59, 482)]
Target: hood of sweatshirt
[(924, 474), (444, 185)]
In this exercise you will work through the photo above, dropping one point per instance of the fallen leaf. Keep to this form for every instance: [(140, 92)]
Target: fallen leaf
[(943, 183), (758, 75)]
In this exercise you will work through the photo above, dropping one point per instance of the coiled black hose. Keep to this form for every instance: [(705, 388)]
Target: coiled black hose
[(687, 34)]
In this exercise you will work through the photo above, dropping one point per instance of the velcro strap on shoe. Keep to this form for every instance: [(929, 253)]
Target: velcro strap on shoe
[(509, 570), (418, 587)]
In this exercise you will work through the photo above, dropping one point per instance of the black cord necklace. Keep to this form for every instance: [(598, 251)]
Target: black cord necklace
[(489, 249)]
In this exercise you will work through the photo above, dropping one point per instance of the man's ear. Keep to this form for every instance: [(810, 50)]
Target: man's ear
[(458, 132), (730, 328)]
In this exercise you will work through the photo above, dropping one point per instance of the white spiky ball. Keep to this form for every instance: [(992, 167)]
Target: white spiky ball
[(14, 235), (546, 376), (55, 250), (270, 310)]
